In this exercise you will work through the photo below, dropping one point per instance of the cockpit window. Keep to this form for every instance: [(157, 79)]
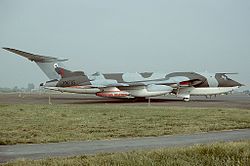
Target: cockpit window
[(224, 77)]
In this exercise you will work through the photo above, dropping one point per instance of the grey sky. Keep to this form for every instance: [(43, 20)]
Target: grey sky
[(128, 35)]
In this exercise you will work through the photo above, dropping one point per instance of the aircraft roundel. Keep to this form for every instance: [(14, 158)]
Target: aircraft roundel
[(56, 65)]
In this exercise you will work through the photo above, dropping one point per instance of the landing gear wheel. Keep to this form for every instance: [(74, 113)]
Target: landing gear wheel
[(186, 99)]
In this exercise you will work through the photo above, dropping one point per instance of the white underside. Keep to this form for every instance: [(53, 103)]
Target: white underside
[(183, 93), (77, 90), (212, 90)]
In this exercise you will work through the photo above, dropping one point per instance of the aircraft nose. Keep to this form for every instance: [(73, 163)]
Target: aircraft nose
[(235, 83)]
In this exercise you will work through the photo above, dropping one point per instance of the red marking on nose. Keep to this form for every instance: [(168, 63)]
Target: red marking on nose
[(62, 72)]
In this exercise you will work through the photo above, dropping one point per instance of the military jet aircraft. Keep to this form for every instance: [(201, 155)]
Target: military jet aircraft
[(130, 85)]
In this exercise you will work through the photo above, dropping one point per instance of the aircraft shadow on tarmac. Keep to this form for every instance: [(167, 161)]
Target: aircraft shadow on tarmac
[(221, 101), (154, 100)]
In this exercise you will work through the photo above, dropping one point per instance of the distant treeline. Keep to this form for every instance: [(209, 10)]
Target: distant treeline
[(246, 92), (29, 88), (15, 89)]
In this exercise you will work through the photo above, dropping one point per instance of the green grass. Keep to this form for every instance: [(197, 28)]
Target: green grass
[(57, 123), (219, 154)]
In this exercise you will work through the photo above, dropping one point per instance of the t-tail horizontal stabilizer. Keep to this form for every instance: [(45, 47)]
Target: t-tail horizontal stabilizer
[(46, 63)]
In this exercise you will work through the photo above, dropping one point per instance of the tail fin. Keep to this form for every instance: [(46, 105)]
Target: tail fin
[(46, 63)]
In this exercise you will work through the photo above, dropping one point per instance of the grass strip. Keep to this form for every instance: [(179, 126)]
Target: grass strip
[(28, 123), (219, 154)]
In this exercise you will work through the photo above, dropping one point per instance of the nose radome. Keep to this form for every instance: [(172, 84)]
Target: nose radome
[(235, 83)]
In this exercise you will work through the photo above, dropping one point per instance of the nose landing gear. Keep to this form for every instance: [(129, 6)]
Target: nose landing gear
[(186, 99)]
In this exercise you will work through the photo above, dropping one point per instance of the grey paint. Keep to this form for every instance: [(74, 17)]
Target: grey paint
[(45, 63), (133, 79), (38, 151), (211, 80), (225, 81), (133, 84)]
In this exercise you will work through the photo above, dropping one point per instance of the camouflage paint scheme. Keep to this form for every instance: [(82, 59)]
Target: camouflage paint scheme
[(129, 79), (130, 85)]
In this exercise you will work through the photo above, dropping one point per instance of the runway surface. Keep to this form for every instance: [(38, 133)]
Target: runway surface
[(226, 101), (39, 151)]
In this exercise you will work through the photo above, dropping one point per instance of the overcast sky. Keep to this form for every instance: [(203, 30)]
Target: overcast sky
[(125, 36)]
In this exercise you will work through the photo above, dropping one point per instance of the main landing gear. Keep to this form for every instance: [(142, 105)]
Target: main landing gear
[(185, 97)]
